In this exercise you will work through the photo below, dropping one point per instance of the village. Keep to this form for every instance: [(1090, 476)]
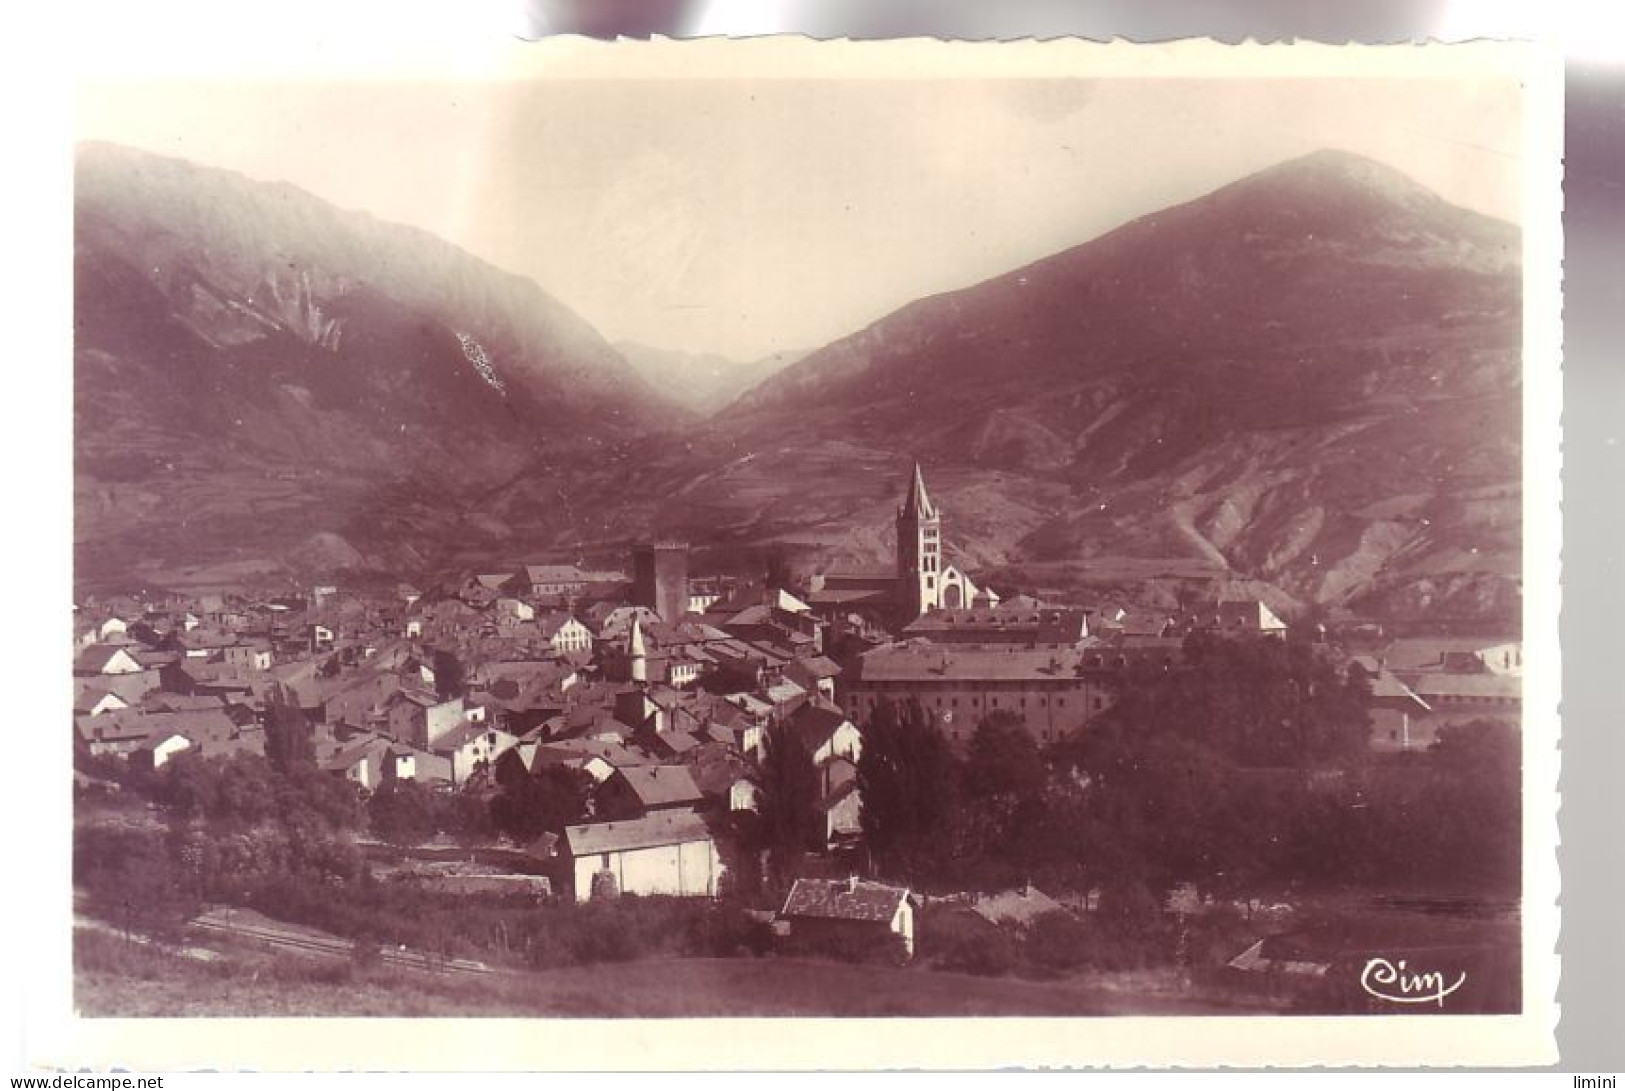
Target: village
[(661, 703)]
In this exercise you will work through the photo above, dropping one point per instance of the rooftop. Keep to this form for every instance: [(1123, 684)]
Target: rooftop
[(843, 899), (665, 828), (661, 785)]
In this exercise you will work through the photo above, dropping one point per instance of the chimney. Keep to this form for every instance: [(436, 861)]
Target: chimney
[(851, 884)]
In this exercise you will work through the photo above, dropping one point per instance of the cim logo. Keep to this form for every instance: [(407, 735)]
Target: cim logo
[(1395, 982)]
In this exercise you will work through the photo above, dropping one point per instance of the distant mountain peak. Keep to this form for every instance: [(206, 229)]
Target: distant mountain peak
[(1307, 377), (1337, 168), (251, 358)]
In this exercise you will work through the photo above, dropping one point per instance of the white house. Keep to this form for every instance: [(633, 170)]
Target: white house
[(106, 659), (669, 852), (515, 608), (849, 908), (827, 733), (564, 633), (743, 795), (164, 744), (471, 746)]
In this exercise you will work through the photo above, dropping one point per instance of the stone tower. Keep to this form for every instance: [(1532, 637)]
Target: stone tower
[(660, 579), (919, 550)]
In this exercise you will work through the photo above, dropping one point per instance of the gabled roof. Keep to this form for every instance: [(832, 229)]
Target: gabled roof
[(1419, 653), (564, 751), (816, 723), (678, 742), (462, 734), (122, 723), (917, 660), (416, 697), (1386, 686), (347, 756), (661, 785), (666, 828), (843, 899), (1021, 907), (199, 725), (716, 733), (1254, 613), (815, 667), (94, 659), (750, 704), (163, 701), (129, 688), (161, 735), (554, 573), (783, 693), (750, 615), (549, 624), (1432, 685)]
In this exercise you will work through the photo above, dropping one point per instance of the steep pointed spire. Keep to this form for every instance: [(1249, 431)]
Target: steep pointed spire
[(638, 654), (917, 503)]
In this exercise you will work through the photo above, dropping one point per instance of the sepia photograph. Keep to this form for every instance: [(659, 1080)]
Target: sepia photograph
[(700, 531)]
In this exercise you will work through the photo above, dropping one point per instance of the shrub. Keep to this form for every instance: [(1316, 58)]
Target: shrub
[(723, 930), (872, 948), (1058, 940), (990, 955)]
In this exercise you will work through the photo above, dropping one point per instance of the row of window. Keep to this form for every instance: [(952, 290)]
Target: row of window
[(1064, 685), (1098, 703), (1043, 735), (1468, 699)]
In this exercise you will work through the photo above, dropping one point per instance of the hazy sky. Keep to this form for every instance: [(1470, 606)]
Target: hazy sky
[(744, 217)]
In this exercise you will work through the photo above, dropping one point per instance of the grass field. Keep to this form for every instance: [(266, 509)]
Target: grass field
[(114, 978)]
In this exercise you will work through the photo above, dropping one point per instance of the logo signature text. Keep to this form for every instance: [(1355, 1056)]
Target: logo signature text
[(1395, 982)]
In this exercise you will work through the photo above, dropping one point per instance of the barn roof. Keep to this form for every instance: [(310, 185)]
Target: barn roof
[(843, 899), (665, 828)]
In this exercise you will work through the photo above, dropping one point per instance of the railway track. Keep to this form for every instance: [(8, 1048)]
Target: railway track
[(335, 947)]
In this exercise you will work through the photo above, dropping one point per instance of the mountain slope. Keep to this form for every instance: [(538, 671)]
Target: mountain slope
[(1307, 382), (254, 367), (703, 382)]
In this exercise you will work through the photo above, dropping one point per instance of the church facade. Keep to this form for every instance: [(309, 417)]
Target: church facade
[(920, 581)]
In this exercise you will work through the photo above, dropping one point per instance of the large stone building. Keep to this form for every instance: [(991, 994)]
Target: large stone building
[(660, 579), (919, 582), (1052, 691)]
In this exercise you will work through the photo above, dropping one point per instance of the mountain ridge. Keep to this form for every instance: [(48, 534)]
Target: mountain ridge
[(255, 367), (1303, 384), (1305, 381)]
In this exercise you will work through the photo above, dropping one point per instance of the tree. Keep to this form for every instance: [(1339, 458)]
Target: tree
[(1004, 760), (290, 741), (1256, 701), (788, 801), (450, 681), (909, 784), (402, 812), (546, 801)]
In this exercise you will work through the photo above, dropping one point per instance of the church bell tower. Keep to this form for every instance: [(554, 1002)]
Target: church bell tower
[(919, 549)]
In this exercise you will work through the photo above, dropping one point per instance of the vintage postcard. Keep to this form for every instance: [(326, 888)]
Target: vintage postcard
[(780, 554)]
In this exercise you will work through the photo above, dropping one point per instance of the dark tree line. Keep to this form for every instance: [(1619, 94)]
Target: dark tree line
[(789, 823), (1246, 770)]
